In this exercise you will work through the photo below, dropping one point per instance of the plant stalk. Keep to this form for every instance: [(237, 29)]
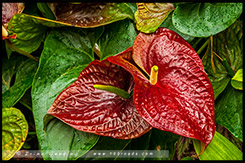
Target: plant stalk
[(212, 54), (195, 44), (31, 133), (203, 47), (228, 68), (11, 45), (24, 104)]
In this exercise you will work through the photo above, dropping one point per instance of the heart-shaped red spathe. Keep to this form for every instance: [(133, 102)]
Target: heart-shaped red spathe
[(97, 111), (182, 100)]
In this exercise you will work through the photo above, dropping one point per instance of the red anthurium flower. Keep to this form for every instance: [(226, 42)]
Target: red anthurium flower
[(171, 92), (98, 111), (179, 96)]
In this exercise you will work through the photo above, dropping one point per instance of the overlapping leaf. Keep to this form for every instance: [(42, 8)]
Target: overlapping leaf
[(30, 30), (66, 52), (23, 81), (237, 80), (14, 132), (119, 34), (45, 10), (97, 111), (182, 100), (169, 24), (228, 45), (29, 34), (219, 149), (149, 16), (90, 14), (229, 111), (205, 19), (9, 68)]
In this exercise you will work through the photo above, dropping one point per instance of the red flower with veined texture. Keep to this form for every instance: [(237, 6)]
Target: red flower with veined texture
[(171, 92)]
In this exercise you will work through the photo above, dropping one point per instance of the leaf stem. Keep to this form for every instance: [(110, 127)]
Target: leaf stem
[(203, 147), (206, 53), (6, 83), (203, 47), (112, 89), (228, 68), (195, 44), (212, 55), (32, 133), (11, 45), (27, 106), (218, 56), (46, 11)]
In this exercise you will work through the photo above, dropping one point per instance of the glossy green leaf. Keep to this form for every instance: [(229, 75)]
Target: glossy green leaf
[(23, 81), (29, 34), (46, 11), (77, 142), (104, 144), (116, 38), (30, 30), (227, 134), (14, 131), (228, 45), (220, 148), (66, 52), (149, 16), (87, 15), (205, 19), (229, 111), (9, 68), (8, 50), (133, 7), (237, 80), (168, 24)]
